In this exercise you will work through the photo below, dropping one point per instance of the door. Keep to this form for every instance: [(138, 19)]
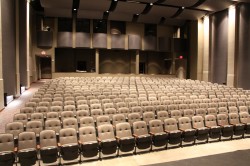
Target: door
[(45, 64), (142, 68)]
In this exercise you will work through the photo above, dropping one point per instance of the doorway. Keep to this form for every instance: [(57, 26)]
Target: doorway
[(45, 66), (142, 68)]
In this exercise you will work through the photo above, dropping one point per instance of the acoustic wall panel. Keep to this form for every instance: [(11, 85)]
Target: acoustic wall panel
[(219, 34), (150, 43), (64, 39), (164, 44), (243, 58), (99, 40), (134, 42), (82, 39), (117, 41), (44, 39)]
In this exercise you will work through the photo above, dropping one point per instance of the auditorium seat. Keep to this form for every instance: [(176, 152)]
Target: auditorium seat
[(124, 110), (107, 140), (27, 110), (23, 118), (103, 119), (7, 149), (53, 124), (215, 130), (223, 110), (52, 115), (188, 132), (126, 141), (227, 130), (201, 112), (70, 123), (118, 118), (27, 148), (67, 114), (69, 148), (202, 131), (159, 137), (245, 119), (48, 147), (14, 128), (239, 128), (171, 127), (88, 142), (143, 139), (148, 116)]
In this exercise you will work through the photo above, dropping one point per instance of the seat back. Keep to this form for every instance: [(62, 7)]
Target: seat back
[(161, 108), (56, 109), (20, 118), (244, 117), (87, 134), (27, 110), (123, 130), (42, 109), (201, 112), (175, 114), (133, 117), (70, 123), (104, 119), (14, 128), (210, 120), (68, 136), (37, 117), (110, 112), (87, 121), (71, 108), (223, 110), (26, 140), (52, 115), (6, 142), (105, 132), (48, 138), (184, 123), (34, 126), (147, 116), (140, 128), (233, 109), (188, 113), (53, 124), (67, 114), (118, 118), (82, 113), (212, 111), (124, 110), (233, 118), (197, 122), (137, 109), (162, 115), (243, 109), (155, 126), (222, 119)]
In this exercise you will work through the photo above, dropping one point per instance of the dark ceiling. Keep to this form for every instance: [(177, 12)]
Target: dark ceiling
[(168, 12)]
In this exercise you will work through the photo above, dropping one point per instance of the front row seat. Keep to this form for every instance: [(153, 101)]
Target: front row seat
[(7, 155)]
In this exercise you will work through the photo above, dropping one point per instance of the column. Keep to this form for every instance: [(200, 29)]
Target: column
[(28, 42), (17, 52), (200, 44), (1, 63), (54, 46), (137, 61), (74, 32), (97, 61), (205, 72), (231, 45)]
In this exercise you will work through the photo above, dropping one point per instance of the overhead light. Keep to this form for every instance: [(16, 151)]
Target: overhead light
[(137, 14), (115, 0), (151, 4), (183, 7), (74, 9), (107, 11)]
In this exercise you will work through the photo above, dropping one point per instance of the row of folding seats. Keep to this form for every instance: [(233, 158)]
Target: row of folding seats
[(56, 123), (144, 138)]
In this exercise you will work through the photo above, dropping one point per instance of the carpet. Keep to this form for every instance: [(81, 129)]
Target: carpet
[(236, 158)]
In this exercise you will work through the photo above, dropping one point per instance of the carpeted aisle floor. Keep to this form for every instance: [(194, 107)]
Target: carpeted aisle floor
[(236, 158)]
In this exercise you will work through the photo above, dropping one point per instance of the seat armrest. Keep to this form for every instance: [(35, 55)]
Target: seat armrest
[(99, 140), (117, 137), (208, 127), (79, 142), (136, 136), (181, 129), (167, 131), (151, 133), (195, 128), (38, 147), (15, 149), (59, 145)]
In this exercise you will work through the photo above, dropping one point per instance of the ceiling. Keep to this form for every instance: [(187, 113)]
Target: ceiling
[(168, 12)]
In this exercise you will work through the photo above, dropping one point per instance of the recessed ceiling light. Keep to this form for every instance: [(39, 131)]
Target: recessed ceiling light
[(151, 4), (115, 0), (183, 7), (74, 9), (137, 14)]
